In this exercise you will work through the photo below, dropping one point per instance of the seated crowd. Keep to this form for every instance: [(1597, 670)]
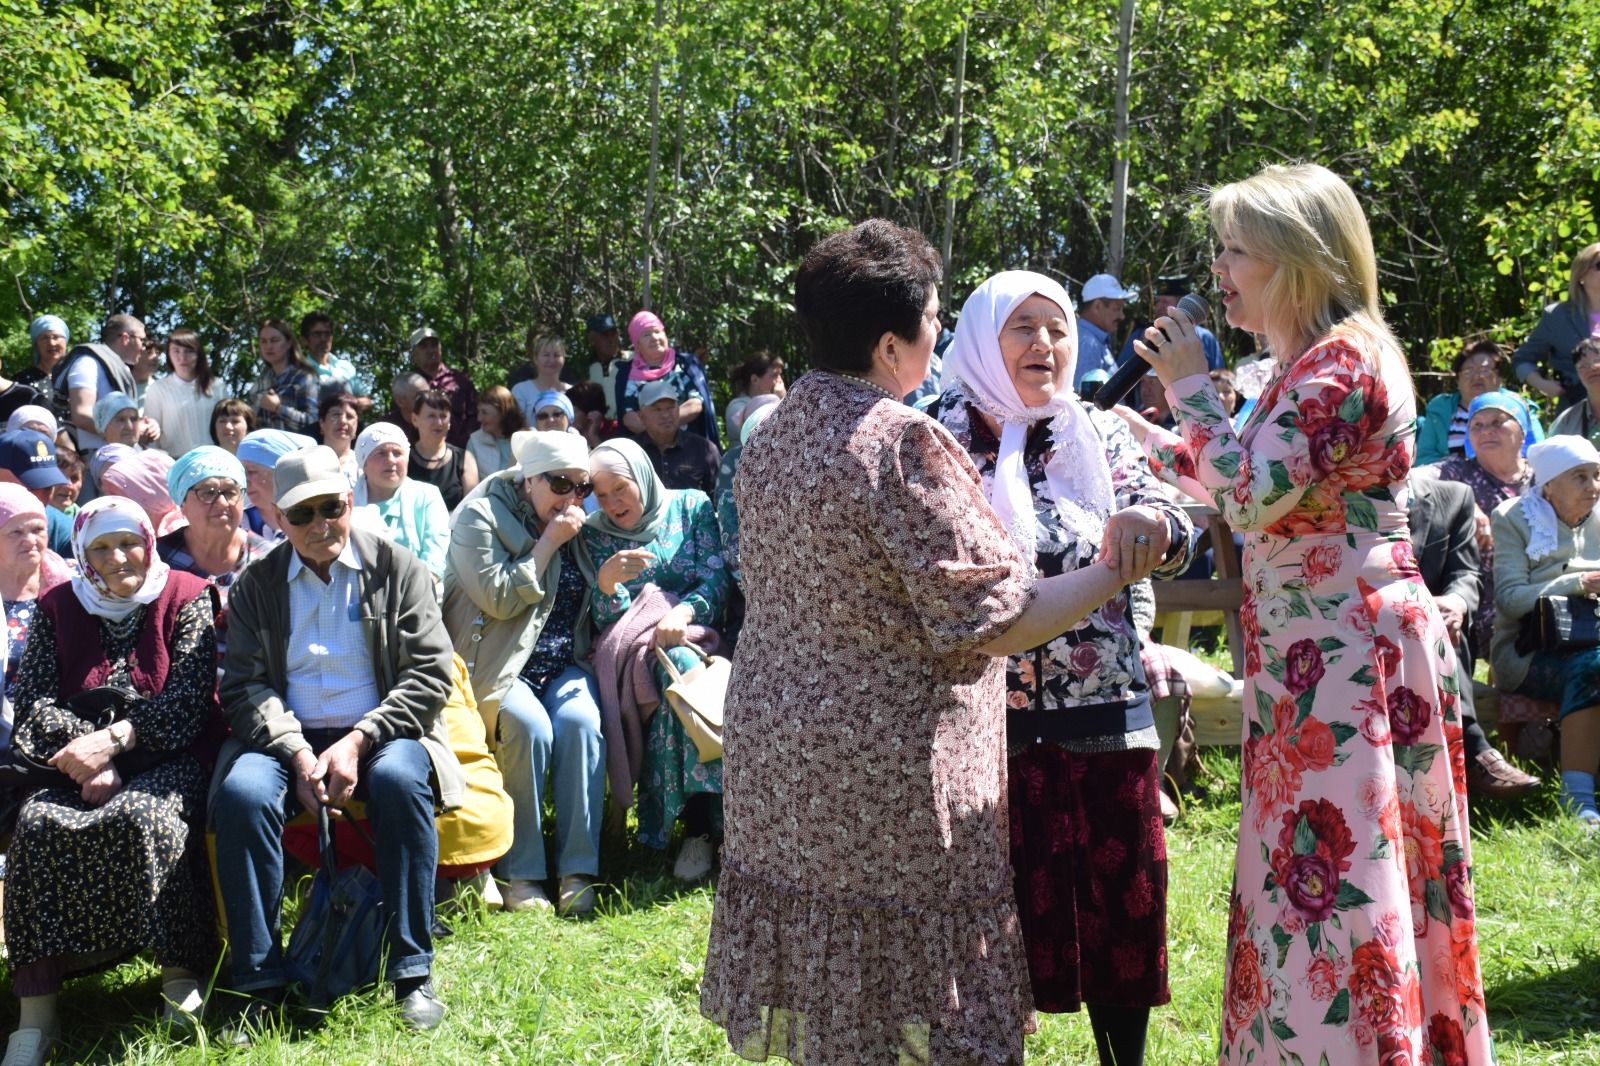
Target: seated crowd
[(224, 613)]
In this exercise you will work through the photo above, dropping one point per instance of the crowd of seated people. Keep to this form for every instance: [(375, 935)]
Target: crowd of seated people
[(292, 610)]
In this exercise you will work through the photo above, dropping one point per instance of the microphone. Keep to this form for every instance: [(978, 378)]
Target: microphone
[(1126, 376)]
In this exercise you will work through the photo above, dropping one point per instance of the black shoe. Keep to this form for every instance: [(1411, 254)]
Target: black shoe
[(421, 1009), (261, 1012)]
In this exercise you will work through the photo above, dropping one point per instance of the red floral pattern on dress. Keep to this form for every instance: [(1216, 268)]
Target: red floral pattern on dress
[(1352, 921)]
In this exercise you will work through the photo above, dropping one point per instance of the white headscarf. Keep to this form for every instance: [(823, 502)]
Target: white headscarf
[(1550, 458), (370, 440), (114, 514), (1079, 477)]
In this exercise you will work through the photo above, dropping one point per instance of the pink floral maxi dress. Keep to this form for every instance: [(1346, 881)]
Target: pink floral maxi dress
[(1351, 934)]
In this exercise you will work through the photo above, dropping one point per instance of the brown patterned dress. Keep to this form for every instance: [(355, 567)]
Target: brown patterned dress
[(865, 912)]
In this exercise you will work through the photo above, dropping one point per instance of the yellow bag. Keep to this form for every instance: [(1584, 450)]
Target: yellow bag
[(696, 697)]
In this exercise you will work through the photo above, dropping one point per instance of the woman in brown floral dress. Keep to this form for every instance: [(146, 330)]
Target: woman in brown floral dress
[(865, 912), (113, 863)]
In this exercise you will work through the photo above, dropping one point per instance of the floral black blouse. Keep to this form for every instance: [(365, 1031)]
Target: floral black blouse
[(1092, 669)]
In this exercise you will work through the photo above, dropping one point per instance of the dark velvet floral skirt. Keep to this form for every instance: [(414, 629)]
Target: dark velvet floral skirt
[(1090, 860)]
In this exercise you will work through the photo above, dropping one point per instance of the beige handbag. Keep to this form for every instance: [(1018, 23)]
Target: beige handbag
[(696, 696)]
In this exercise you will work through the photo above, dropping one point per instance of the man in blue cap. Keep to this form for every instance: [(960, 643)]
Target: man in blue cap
[(29, 459)]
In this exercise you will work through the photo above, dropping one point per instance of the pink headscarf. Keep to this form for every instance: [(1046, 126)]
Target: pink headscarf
[(640, 370), (17, 502), (143, 479)]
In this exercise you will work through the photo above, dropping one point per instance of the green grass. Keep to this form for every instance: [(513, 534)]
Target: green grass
[(623, 987)]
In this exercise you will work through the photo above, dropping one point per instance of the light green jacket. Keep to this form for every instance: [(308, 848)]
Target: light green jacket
[(495, 600), (1520, 581)]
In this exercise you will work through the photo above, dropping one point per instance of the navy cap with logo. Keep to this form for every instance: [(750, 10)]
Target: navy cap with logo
[(601, 323), (31, 457)]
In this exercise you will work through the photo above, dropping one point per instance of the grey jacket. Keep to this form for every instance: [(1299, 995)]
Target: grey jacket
[(412, 661), (1560, 329), (1520, 581), (495, 599)]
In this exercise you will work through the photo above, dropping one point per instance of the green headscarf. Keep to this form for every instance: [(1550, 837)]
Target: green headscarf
[(631, 462)]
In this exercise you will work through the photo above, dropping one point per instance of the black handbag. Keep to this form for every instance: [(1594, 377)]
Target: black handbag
[(1560, 623), (100, 707)]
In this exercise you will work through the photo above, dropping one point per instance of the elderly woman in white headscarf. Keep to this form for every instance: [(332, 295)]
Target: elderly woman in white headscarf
[(1071, 486), (410, 512), (517, 603), (112, 861), (1547, 543)]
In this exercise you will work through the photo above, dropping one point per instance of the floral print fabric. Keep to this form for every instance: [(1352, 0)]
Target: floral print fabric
[(865, 914), (688, 563), (1352, 931), (1097, 661)]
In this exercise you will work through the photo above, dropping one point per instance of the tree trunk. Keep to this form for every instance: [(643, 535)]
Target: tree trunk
[(1119, 163), (887, 200), (655, 153), (955, 165)]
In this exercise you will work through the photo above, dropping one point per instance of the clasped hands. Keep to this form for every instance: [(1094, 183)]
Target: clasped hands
[(330, 779), (87, 760), (1136, 541)]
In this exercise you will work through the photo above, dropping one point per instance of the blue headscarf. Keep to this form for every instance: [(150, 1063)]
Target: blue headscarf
[(197, 464), (555, 398), (1514, 405), (109, 406), (267, 446), (48, 324)]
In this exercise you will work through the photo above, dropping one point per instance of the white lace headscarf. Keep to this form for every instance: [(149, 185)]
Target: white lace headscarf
[(1550, 458), (1078, 474)]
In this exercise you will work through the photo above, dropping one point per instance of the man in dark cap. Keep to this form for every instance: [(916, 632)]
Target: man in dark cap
[(1169, 290), (609, 359)]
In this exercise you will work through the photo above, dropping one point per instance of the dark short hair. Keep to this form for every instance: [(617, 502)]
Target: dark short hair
[(436, 398), (315, 318), (745, 374), (227, 409), (1482, 346), (857, 285), (336, 397), (588, 397)]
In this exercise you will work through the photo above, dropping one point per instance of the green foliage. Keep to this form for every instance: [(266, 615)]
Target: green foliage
[(483, 167)]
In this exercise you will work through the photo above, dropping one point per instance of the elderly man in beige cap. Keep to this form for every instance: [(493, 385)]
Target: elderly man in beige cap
[(336, 670)]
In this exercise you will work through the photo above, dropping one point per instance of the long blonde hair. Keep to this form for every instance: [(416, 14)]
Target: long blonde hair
[(1582, 263), (1304, 219)]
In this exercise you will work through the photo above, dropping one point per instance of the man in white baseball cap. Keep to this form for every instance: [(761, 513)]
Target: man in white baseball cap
[(1099, 314)]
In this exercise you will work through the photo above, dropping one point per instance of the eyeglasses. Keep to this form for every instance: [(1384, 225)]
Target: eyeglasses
[(549, 416), (564, 486), (305, 513), (320, 333), (209, 496)]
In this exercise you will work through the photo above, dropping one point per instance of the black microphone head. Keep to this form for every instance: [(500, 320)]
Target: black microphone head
[(1198, 310)]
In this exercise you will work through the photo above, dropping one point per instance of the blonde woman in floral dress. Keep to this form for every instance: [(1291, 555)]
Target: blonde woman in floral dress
[(1351, 936)]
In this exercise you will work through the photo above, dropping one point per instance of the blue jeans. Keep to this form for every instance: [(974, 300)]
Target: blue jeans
[(556, 731), (251, 806)]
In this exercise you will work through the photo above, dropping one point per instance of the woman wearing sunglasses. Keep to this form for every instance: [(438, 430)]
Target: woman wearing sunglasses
[(647, 534), (412, 512), (516, 602)]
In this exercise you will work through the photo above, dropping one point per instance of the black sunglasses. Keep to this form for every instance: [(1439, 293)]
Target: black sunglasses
[(305, 513), (563, 486)]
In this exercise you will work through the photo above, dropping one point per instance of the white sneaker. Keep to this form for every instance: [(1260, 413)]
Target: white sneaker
[(526, 896), (28, 1047), (489, 891), (181, 1003), (577, 895), (694, 859)]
